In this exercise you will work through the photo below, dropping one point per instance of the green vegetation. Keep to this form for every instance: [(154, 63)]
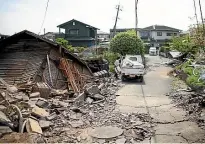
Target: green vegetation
[(127, 43), (110, 56), (66, 44), (191, 80)]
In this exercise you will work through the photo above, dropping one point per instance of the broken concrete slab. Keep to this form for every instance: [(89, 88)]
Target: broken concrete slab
[(35, 95), (188, 130), (52, 116), (167, 139), (92, 90), (12, 89), (42, 103), (44, 124), (76, 124), (89, 100), (106, 132), (5, 130), (2, 107), (4, 119), (32, 102), (63, 104), (98, 97), (79, 100), (120, 141), (25, 97), (39, 112), (43, 88), (32, 126)]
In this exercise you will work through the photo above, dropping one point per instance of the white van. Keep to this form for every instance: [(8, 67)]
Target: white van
[(153, 51)]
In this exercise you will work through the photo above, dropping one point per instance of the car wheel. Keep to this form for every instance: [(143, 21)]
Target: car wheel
[(141, 78), (123, 78)]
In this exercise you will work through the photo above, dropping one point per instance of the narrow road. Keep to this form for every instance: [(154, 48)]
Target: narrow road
[(150, 97)]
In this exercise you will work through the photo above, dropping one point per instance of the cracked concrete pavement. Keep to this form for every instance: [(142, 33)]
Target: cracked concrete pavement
[(149, 97)]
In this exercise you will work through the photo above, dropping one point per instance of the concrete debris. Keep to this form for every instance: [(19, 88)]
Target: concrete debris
[(35, 95), (89, 100), (92, 90), (44, 124), (120, 141), (12, 89), (98, 97), (63, 104), (106, 132), (76, 124), (39, 112), (2, 107), (42, 103), (52, 116), (25, 97), (22, 138), (4, 119), (43, 88), (5, 130), (32, 126)]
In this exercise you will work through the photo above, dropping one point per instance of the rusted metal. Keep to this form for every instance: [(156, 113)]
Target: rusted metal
[(76, 80)]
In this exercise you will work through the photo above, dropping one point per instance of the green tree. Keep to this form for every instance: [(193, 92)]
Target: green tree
[(183, 44), (127, 43)]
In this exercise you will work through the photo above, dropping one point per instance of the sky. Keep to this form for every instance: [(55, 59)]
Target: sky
[(18, 15)]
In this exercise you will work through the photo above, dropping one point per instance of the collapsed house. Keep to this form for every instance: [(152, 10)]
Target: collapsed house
[(27, 57)]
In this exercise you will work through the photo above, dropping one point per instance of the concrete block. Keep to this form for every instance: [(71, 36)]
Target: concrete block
[(39, 112), (43, 88), (35, 95), (42, 103), (92, 90), (32, 126), (5, 130), (44, 124)]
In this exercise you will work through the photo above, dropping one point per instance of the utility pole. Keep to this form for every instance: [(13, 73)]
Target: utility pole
[(117, 17), (197, 21), (202, 19), (136, 17)]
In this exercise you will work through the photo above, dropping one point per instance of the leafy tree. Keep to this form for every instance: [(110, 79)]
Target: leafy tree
[(127, 43), (183, 44)]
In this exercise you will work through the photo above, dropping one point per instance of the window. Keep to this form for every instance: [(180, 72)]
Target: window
[(169, 34), (175, 34), (159, 33), (73, 31)]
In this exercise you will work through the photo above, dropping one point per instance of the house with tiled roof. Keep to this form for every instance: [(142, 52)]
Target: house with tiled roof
[(156, 35)]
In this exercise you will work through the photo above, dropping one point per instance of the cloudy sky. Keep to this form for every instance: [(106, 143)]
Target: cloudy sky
[(17, 15)]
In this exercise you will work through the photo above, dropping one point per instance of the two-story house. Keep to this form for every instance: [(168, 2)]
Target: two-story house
[(78, 33), (159, 34), (156, 35)]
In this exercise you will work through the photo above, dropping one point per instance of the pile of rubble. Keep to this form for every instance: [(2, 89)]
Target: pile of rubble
[(193, 102), (62, 116)]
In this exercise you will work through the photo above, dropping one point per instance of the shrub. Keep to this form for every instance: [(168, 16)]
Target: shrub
[(112, 68), (110, 56), (193, 81), (127, 43)]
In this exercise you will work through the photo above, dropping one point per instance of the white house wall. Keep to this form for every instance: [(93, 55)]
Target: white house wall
[(164, 35)]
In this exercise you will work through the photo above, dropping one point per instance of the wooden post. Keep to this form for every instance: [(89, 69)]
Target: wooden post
[(49, 70)]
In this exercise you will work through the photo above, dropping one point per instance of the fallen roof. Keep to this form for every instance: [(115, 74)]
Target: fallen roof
[(39, 38), (73, 20)]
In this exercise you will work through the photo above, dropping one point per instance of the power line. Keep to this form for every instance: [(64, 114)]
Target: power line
[(44, 17)]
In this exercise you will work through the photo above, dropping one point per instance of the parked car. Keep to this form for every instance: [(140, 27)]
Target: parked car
[(153, 51)]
